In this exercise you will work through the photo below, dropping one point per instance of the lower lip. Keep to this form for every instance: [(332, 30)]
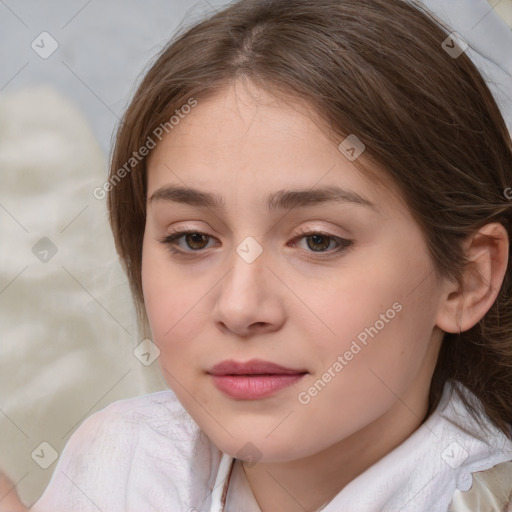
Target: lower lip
[(251, 387)]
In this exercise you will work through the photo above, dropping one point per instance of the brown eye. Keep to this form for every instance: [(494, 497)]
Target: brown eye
[(196, 240), (319, 242)]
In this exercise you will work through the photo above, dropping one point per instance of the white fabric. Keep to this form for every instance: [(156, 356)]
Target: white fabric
[(147, 454), (239, 495)]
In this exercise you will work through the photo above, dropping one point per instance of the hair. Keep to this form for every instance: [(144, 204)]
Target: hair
[(377, 69)]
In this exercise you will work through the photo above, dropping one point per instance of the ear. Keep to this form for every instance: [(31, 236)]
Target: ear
[(465, 303)]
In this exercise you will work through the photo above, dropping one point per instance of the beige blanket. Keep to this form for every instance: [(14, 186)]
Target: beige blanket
[(66, 317)]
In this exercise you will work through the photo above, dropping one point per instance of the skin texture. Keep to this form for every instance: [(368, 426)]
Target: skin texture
[(295, 305), (9, 500)]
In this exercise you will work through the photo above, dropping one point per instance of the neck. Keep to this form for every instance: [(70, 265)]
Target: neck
[(309, 483)]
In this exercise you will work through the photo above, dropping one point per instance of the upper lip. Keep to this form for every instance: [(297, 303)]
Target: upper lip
[(252, 367)]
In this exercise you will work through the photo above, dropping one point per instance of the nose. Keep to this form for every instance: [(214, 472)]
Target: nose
[(249, 298)]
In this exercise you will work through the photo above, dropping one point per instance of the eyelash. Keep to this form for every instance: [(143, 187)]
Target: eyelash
[(170, 242)]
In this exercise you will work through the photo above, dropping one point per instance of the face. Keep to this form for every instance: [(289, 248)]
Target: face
[(288, 320)]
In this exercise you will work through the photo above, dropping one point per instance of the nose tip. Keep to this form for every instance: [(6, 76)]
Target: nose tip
[(245, 329)]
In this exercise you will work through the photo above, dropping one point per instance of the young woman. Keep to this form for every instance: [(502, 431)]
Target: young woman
[(310, 201)]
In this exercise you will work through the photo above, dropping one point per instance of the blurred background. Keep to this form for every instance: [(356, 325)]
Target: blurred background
[(69, 339)]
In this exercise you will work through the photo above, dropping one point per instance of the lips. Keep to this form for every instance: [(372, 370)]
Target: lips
[(253, 379), (253, 367)]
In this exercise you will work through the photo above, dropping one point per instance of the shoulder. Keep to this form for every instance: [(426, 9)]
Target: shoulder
[(481, 461), (131, 451), (491, 490), (120, 424), (143, 425), (154, 410)]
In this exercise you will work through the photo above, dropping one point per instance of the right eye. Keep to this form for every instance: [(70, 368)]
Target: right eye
[(196, 241)]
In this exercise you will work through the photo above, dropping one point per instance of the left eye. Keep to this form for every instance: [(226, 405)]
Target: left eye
[(320, 242), (196, 241)]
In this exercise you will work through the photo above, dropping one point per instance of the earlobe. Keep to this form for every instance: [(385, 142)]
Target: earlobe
[(466, 302)]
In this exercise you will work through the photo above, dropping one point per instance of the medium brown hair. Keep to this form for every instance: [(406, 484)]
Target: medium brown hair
[(377, 69)]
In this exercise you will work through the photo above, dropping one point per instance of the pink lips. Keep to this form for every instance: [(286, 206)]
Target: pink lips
[(253, 379)]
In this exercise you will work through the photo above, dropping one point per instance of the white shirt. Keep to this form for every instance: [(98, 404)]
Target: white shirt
[(147, 454)]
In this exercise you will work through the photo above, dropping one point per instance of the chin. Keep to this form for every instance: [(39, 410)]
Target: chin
[(251, 445)]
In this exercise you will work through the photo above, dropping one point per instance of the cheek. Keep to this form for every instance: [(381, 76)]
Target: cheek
[(350, 305), (175, 303), (165, 294), (376, 319), (154, 287), (371, 360)]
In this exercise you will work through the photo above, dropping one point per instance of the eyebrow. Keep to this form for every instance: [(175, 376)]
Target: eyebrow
[(282, 199)]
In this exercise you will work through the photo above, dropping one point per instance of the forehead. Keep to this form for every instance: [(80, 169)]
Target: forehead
[(245, 138)]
